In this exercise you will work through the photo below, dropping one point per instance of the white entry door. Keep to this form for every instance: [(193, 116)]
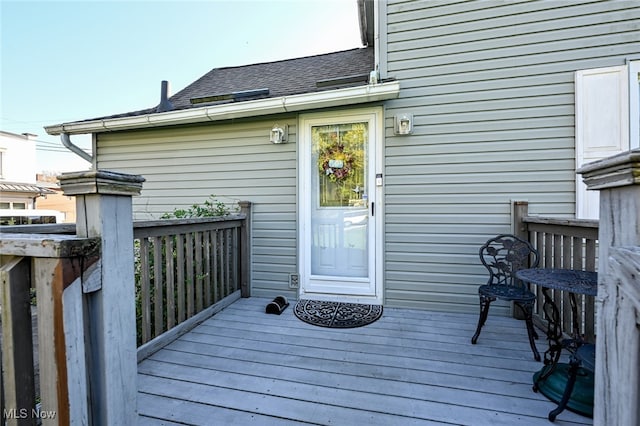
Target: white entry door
[(338, 198)]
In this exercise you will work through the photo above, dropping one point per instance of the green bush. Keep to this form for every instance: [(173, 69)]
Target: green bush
[(210, 208)]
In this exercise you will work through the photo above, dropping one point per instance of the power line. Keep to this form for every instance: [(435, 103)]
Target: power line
[(46, 143), (64, 150), (40, 144), (53, 150)]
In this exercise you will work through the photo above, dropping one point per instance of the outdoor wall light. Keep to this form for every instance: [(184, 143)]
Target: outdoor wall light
[(403, 124), (279, 134)]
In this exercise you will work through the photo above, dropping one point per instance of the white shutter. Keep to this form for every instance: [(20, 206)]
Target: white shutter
[(602, 125)]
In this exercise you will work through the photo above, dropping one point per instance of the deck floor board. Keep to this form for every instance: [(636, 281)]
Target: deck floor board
[(243, 366)]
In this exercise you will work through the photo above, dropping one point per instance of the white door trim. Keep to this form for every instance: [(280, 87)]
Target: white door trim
[(375, 115)]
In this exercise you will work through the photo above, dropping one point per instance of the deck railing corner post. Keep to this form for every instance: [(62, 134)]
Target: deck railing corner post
[(104, 210), (617, 375)]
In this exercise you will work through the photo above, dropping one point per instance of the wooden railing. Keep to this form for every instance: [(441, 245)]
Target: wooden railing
[(567, 244), (50, 264), (185, 266), (84, 284), (86, 341)]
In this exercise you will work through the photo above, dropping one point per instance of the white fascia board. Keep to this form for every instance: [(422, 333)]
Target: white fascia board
[(329, 98)]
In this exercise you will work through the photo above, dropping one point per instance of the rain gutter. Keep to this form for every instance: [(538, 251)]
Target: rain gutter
[(260, 107), (66, 141)]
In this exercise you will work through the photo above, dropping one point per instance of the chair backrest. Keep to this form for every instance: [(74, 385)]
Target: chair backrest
[(504, 255)]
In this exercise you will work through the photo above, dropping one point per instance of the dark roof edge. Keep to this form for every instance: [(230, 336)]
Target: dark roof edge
[(289, 59)]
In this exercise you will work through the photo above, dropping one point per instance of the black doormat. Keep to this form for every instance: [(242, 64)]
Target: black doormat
[(336, 314)]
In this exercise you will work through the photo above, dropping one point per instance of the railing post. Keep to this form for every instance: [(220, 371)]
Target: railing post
[(245, 249), (520, 209), (617, 376), (103, 205)]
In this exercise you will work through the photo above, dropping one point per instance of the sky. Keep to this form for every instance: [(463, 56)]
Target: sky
[(64, 61)]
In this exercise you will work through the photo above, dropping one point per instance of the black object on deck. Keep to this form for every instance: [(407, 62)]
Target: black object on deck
[(278, 305)]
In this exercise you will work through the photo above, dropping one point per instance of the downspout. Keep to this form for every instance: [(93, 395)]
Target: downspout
[(66, 141)]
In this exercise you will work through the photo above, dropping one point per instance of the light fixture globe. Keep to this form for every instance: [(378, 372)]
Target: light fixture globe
[(278, 134)]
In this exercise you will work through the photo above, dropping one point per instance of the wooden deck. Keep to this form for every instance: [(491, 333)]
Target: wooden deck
[(243, 366)]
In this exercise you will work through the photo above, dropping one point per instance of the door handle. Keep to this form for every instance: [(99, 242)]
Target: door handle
[(373, 208)]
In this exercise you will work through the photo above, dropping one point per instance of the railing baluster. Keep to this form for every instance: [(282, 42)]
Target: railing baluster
[(223, 262), (235, 254), (158, 311), (215, 250), (170, 279), (145, 291), (567, 318), (199, 270), (182, 315), (190, 279), (577, 262), (207, 267)]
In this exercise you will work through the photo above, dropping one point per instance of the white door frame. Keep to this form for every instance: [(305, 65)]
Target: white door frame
[(376, 193)]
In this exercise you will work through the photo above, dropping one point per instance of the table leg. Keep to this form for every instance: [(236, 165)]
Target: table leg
[(574, 365), (554, 335)]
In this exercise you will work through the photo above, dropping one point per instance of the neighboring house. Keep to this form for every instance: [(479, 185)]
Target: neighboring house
[(56, 200), (19, 190), (401, 158)]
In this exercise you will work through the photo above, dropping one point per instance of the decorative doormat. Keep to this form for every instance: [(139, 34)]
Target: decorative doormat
[(336, 314)]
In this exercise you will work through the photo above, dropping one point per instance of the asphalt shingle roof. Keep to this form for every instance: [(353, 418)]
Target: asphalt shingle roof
[(282, 78)]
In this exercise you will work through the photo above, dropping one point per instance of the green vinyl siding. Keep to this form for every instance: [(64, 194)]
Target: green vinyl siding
[(233, 161), (490, 85)]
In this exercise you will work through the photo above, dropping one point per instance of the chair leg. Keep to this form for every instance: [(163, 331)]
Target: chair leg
[(485, 303), (527, 308)]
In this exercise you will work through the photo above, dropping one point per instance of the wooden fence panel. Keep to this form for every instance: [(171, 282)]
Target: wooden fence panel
[(185, 266), (562, 243)]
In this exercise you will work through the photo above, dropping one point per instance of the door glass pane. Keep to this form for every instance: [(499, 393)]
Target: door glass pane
[(340, 214)]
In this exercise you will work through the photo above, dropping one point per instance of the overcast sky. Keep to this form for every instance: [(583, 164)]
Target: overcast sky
[(74, 60)]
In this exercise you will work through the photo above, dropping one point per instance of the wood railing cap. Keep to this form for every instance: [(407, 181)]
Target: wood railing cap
[(48, 245), (620, 170), (100, 182), (561, 221), (187, 221)]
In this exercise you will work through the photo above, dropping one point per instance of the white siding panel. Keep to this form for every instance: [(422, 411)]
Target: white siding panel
[(233, 161), (490, 87)]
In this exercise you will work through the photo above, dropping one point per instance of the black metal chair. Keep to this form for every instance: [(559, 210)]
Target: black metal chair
[(503, 256)]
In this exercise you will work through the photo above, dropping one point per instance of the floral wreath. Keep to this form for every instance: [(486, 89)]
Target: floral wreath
[(335, 163)]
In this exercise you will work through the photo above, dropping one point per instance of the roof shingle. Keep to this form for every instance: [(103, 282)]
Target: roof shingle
[(282, 78)]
